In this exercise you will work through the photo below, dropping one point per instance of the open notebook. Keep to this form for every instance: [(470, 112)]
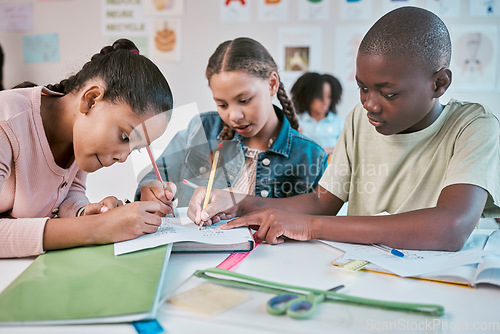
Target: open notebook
[(477, 262), (187, 237), (86, 285)]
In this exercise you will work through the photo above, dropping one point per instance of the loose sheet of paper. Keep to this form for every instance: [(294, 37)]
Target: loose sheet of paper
[(175, 230), (416, 263)]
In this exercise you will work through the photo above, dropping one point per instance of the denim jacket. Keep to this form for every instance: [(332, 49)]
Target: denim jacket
[(293, 164)]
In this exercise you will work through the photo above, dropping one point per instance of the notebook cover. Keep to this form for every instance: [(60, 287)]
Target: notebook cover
[(86, 285)]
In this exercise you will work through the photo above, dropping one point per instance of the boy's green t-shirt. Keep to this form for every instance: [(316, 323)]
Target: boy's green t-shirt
[(404, 172)]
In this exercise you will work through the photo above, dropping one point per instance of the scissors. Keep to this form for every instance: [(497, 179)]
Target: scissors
[(296, 306)]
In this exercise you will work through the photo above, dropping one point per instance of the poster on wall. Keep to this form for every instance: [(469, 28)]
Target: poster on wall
[(443, 8), (314, 10), (474, 59), (163, 7), (124, 18), (484, 8), (272, 10), (356, 10), (165, 40), (347, 40), (41, 48), (234, 11), (300, 51), (16, 16)]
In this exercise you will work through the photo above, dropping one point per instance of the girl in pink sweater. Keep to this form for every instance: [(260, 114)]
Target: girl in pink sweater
[(50, 137)]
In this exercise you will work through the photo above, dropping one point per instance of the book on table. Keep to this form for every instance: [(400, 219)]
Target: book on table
[(188, 237), (477, 263), (87, 285)]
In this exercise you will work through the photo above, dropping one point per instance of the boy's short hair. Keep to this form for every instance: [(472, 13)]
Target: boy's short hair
[(411, 32)]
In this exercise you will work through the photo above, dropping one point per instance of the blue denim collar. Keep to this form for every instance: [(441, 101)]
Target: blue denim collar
[(282, 145)]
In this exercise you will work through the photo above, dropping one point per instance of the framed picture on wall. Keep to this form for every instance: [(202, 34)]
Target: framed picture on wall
[(299, 52)]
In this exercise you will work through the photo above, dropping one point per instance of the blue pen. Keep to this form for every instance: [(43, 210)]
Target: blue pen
[(387, 249)]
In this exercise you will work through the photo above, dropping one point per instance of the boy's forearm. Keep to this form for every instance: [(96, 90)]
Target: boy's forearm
[(318, 202), (426, 229)]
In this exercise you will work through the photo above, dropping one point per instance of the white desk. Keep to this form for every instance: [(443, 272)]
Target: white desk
[(306, 263)]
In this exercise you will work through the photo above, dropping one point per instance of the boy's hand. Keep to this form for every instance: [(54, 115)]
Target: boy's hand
[(223, 205), (161, 193), (106, 204), (274, 225)]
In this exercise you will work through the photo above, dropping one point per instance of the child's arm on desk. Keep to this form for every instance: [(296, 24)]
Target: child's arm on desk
[(225, 204), (122, 223), (444, 227)]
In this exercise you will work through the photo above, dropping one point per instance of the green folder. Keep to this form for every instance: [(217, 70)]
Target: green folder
[(87, 285)]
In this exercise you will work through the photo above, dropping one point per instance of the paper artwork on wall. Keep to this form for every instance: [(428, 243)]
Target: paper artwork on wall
[(443, 8), (300, 51), (314, 10), (41, 48), (163, 7), (484, 8), (124, 19), (272, 10), (165, 40), (234, 11), (356, 10), (347, 40), (16, 16), (474, 59)]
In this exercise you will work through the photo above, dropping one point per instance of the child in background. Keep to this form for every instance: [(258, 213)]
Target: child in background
[(315, 97), (278, 161), (52, 136), (434, 168)]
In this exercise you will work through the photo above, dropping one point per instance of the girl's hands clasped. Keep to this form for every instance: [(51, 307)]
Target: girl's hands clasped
[(161, 193), (273, 225)]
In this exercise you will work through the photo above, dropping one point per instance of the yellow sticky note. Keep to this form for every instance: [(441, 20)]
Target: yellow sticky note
[(209, 299)]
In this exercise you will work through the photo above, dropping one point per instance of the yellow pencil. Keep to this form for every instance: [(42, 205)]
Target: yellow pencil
[(210, 183)]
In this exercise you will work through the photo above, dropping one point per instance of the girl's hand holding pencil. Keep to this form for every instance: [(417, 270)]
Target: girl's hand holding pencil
[(161, 192), (223, 205)]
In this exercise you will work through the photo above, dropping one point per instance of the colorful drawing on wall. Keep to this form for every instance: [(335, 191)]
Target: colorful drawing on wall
[(443, 8), (356, 10), (272, 10), (165, 40), (297, 58), (163, 7), (234, 11), (484, 8), (43, 48), (16, 16), (474, 57), (347, 40), (314, 10)]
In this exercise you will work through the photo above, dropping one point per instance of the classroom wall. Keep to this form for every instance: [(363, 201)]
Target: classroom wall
[(80, 34)]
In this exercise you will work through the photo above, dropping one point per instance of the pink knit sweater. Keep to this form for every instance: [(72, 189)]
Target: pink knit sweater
[(33, 188)]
